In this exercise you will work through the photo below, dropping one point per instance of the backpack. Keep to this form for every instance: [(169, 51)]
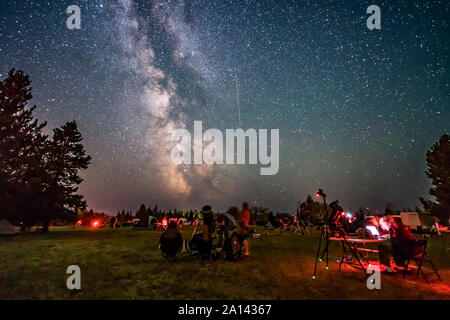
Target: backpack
[(198, 244), (233, 248)]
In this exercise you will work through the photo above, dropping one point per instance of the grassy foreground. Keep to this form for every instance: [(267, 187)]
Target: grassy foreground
[(126, 264)]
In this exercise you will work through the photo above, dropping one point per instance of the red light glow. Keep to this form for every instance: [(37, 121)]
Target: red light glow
[(95, 223)]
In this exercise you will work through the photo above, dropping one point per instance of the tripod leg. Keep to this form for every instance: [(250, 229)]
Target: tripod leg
[(325, 251), (435, 270), (344, 253), (355, 254), (317, 255)]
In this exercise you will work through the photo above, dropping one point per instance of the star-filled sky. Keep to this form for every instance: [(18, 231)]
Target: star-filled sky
[(357, 109)]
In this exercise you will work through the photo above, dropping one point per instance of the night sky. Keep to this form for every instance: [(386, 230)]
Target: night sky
[(357, 109)]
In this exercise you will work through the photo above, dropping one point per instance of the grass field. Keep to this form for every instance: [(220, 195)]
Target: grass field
[(126, 264)]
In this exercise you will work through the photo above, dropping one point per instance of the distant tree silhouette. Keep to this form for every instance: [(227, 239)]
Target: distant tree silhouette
[(438, 163), (142, 212), (311, 210), (390, 209)]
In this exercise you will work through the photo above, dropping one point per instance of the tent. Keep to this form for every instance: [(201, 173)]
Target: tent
[(146, 223), (6, 229), (410, 219), (227, 216)]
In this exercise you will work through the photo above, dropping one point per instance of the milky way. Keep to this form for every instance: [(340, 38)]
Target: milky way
[(357, 109)]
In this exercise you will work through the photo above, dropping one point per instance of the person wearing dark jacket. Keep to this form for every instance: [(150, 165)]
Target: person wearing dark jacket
[(202, 241), (171, 241), (401, 242)]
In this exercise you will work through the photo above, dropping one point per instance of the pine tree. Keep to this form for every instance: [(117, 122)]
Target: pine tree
[(142, 212), (66, 156), (438, 162), (22, 146), (312, 210)]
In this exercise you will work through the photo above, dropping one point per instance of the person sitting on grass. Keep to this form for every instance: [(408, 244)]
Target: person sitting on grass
[(401, 242), (202, 241), (171, 241), (224, 229)]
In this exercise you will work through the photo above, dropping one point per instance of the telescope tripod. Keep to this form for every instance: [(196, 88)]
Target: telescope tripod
[(325, 234)]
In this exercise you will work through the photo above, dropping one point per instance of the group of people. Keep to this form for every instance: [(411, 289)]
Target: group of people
[(218, 234), (214, 235), (401, 239)]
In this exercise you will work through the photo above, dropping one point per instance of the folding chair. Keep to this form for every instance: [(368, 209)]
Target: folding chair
[(418, 254)]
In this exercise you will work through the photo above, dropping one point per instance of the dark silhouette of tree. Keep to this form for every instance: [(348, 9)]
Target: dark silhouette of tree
[(38, 177), (66, 156), (438, 162), (311, 210), (150, 211), (390, 209), (142, 212), (21, 151)]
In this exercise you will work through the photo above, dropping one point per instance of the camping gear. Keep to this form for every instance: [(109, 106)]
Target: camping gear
[(200, 248), (184, 222), (419, 256), (269, 226), (233, 248), (228, 216), (6, 229), (410, 219), (197, 244), (195, 229), (146, 223)]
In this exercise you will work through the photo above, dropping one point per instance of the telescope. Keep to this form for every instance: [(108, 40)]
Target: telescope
[(332, 223)]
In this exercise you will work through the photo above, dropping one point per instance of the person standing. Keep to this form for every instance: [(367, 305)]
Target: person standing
[(244, 226)]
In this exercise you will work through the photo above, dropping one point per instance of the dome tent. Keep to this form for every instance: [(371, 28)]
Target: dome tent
[(6, 229)]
